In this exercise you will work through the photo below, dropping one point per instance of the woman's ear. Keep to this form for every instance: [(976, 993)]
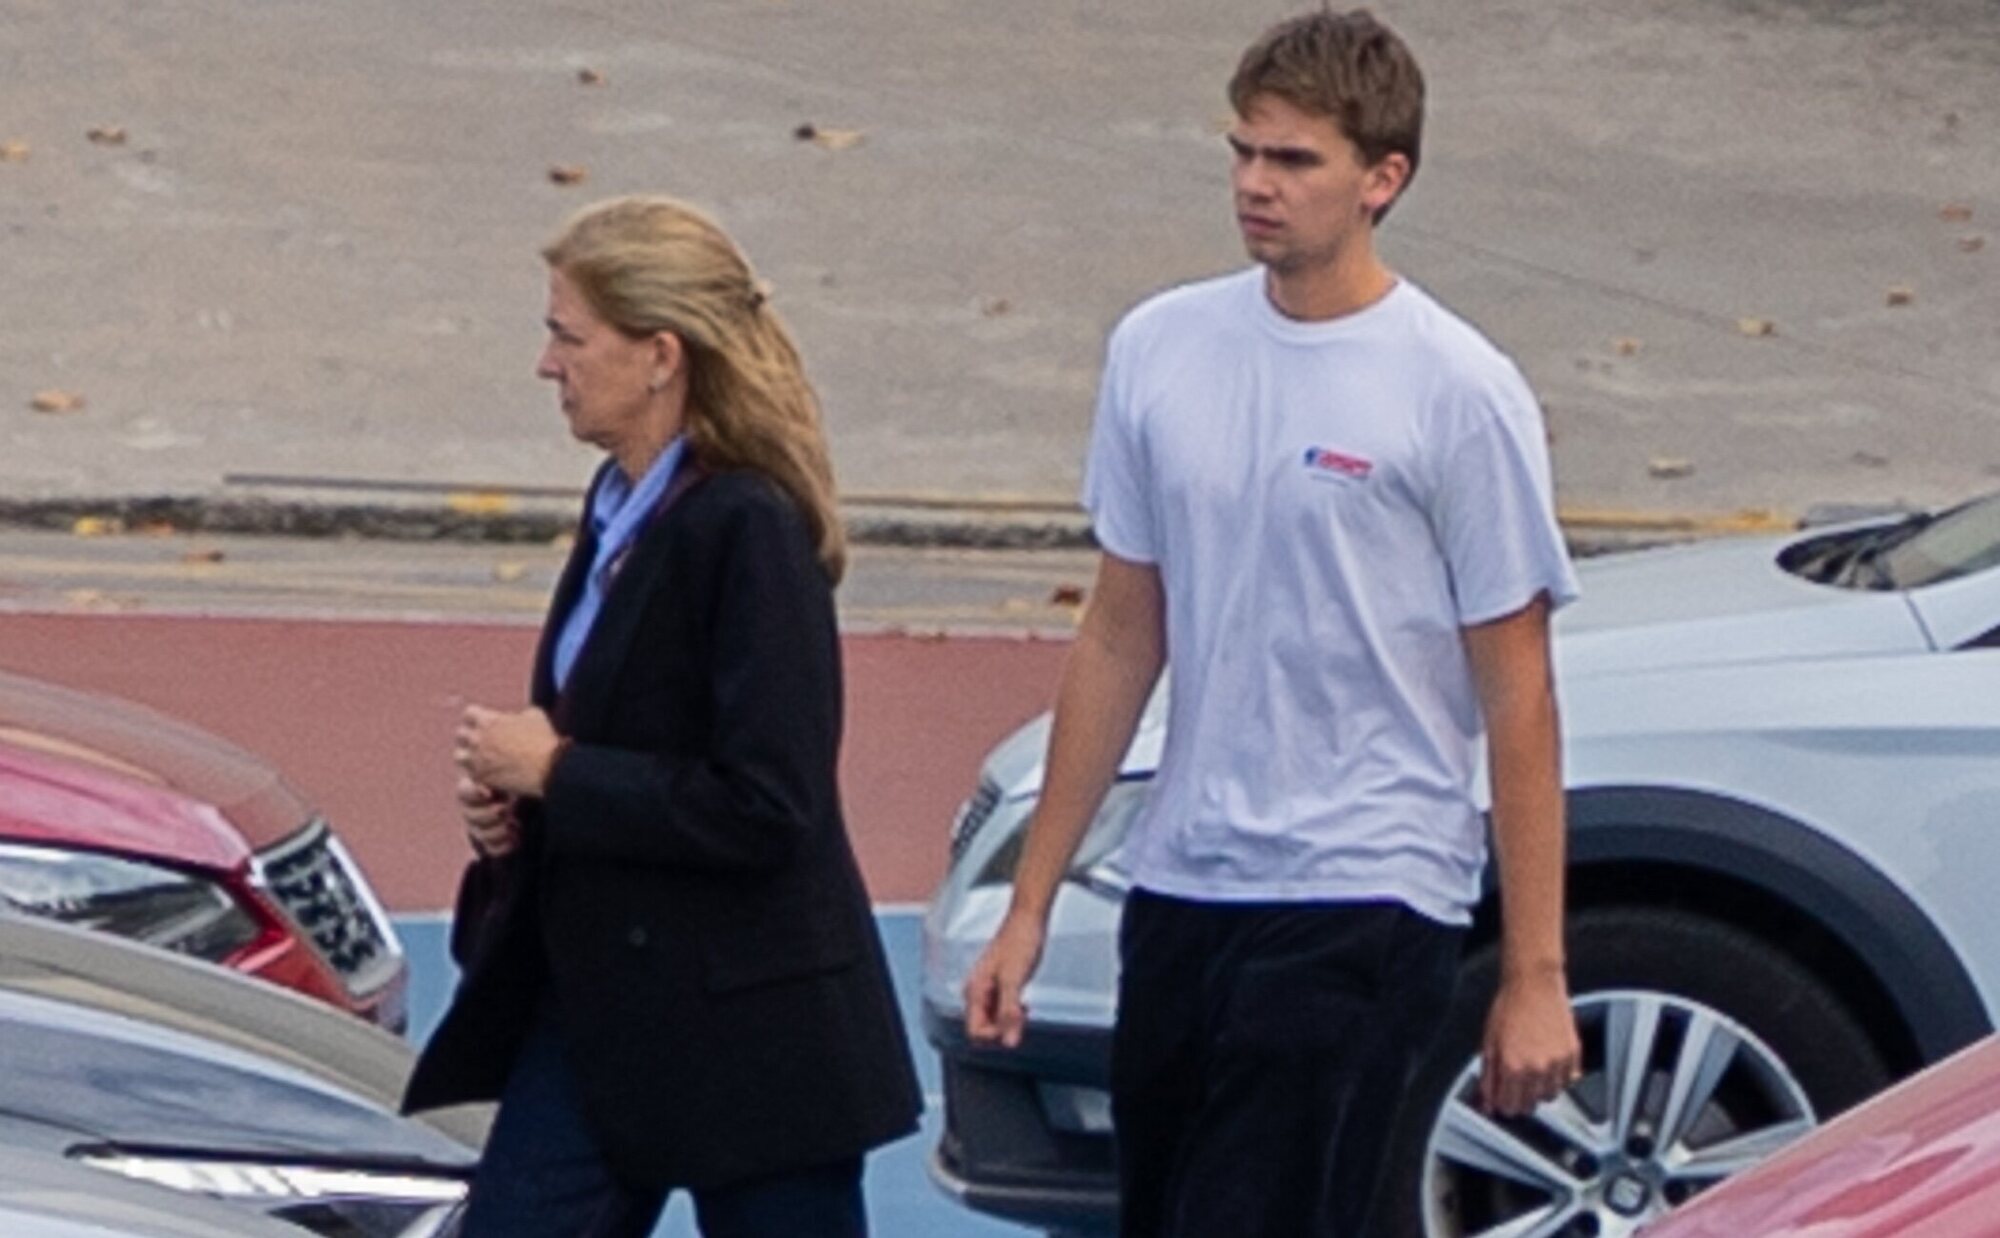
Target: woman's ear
[(669, 360)]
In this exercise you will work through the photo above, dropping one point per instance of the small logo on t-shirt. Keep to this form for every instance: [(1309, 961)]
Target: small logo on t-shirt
[(1326, 462)]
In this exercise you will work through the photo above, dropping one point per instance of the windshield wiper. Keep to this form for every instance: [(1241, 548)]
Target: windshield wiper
[(1859, 563)]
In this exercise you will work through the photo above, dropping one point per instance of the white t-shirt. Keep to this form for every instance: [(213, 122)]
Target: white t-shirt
[(1328, 503)]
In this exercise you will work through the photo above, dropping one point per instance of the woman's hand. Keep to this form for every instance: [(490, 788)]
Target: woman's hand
[(507, 752), (489, 818)]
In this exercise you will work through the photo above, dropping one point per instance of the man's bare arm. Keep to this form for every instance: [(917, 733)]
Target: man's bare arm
[(1531, 1049), (1111, 669)]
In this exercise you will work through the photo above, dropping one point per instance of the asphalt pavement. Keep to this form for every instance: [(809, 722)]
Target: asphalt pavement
[(283, 253), (1744, 248)]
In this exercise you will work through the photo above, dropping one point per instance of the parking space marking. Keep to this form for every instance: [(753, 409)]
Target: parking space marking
[(902, 1203)]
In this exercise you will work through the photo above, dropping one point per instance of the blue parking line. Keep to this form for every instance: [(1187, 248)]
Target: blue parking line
[(902, 1203)]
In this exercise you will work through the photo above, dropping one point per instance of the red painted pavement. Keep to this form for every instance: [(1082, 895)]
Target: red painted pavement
[(358, 714)]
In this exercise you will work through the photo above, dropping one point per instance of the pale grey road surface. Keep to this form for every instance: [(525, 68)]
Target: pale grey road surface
[(887, 589), (313, 254)]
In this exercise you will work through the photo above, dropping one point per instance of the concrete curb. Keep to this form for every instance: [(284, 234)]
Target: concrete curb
[(914, 521), (487, 521)]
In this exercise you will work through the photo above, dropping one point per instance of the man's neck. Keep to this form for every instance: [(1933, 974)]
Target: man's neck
[(1351, 282)]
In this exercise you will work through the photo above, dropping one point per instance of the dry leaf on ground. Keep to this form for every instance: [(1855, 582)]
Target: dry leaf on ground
[(1756, 326), (589, 77), (1955, 212), (1971, 244), (508, 573), (1669, 467), (478, 503), (55, 401), (996, 307), (14, 152), (202, 556), (830, 139), (97, 526), (1902, 294), (1067, 595), (1626, 346), (568, 174), (1868, 460), (107, 135)]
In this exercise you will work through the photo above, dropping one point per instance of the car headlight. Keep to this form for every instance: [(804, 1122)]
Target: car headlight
[(1096, 859), (146, 902), (330, 1200)]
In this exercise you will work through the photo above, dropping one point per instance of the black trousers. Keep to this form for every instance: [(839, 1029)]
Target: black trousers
[(541, 1175), (1260, 1058)]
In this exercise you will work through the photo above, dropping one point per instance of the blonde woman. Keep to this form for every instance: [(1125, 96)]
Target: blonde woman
[(671, 975)]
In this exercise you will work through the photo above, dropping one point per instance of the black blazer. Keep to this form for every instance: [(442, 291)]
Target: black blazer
[(686, 892)]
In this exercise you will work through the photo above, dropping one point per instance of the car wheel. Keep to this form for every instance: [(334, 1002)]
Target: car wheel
[(1704, 1050)]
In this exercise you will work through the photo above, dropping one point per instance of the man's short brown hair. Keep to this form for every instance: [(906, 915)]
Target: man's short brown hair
[(1347, 67)]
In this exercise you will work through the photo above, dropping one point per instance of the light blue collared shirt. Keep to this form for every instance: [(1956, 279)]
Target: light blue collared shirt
[(618, 510)]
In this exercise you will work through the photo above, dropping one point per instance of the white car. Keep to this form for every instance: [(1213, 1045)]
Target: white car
[(1783, 769)]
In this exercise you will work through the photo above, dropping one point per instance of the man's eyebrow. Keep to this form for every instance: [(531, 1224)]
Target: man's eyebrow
[(1295, 155)]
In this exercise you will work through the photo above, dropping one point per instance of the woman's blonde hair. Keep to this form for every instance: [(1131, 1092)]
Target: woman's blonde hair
[(648, 264)]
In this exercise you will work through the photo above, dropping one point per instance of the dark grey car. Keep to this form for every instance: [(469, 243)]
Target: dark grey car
[(44, 1196), (140, 1067)]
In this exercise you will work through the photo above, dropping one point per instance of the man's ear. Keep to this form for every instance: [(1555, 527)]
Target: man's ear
[(1384, 181)]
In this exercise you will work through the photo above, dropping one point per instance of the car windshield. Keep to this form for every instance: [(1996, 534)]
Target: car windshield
[(1921, 549), (1958, 542)]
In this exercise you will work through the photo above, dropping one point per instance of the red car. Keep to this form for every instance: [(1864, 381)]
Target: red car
[(120, 819), (1921, 1160)]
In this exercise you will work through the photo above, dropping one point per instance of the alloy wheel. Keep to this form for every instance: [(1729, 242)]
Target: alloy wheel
[(1675, 1096)]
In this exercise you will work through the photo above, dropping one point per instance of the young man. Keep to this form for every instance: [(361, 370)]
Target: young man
[(1326, 501)]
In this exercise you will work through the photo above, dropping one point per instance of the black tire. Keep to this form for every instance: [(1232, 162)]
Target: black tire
[(1673, 953)]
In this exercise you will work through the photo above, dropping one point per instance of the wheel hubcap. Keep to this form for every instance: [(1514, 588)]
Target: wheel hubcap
[(1675, 1097), (1628, 1195)]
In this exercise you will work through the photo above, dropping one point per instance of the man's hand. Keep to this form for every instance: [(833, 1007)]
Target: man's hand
[(1531, 1052), (993, 1010), (489, 818), (506, 752)]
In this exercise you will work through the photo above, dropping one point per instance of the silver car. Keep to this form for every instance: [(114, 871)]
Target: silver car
[(1783, 770)]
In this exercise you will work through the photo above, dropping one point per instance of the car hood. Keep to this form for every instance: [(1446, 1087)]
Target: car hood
[(68, 801), (112, 1079), (124, 1043), (1922, 1158), (120, 740), (1715, 603)]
